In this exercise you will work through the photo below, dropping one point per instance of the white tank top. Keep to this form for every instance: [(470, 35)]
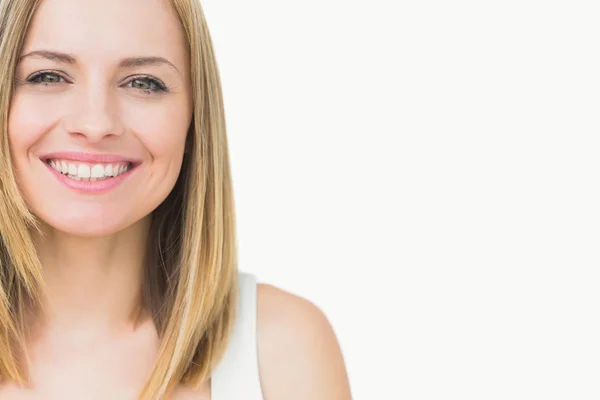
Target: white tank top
[(236, 377)]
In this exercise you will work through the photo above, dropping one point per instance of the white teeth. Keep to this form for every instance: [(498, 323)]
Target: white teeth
[(97, 171), (83, 171), (89, 173)]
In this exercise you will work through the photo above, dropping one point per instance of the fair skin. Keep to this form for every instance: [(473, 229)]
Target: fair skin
[(93, 340)]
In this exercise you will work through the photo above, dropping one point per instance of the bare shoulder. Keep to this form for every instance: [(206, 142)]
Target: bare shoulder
[(299, 355)]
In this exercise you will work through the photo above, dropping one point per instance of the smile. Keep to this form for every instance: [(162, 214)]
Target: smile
[(89, 172), (87, 178)]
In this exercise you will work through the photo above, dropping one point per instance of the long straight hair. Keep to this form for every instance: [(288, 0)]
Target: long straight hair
[(191, 281)]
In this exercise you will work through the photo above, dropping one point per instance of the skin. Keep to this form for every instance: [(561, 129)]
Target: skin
[(94, 340)]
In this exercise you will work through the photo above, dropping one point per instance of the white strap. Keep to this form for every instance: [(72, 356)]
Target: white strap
[(237, 376)]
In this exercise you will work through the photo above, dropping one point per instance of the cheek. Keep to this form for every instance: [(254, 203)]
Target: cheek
[(162, 131), (28, 120)]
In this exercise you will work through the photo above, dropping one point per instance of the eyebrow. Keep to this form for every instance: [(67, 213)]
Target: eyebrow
[(129, 62)]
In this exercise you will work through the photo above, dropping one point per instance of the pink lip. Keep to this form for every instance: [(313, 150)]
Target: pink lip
[(88, 157), (91, 187)]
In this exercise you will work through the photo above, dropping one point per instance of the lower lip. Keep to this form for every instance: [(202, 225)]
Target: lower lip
[(94, 187)]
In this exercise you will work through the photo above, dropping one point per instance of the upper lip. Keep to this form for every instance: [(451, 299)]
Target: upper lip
[(89, 157)]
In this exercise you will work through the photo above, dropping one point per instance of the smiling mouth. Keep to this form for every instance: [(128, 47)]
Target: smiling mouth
[(80, 171)]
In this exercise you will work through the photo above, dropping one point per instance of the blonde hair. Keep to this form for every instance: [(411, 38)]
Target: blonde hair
[(191, 284)]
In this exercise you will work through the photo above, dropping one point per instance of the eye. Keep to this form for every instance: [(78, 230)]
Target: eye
[(148, 85), (45, 78)]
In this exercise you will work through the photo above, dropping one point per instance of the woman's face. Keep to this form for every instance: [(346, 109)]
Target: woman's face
[(104, 97)]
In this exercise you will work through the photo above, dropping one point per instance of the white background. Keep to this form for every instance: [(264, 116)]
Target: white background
[(426, 172)]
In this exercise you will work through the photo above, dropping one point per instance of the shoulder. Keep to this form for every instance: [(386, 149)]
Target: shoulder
[(299, 355)]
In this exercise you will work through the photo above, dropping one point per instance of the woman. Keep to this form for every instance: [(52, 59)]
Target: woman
[(118, 266)]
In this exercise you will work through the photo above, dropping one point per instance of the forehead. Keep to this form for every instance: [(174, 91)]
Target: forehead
[(105, 30)]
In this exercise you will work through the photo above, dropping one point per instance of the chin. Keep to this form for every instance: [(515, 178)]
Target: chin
[(86, 225)]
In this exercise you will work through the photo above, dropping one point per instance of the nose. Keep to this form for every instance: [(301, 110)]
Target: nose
[(95, 114)]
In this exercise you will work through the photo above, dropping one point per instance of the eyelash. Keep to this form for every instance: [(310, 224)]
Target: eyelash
[(159, 86)]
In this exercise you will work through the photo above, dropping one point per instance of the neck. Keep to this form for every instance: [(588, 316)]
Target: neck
[(93, 283)]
